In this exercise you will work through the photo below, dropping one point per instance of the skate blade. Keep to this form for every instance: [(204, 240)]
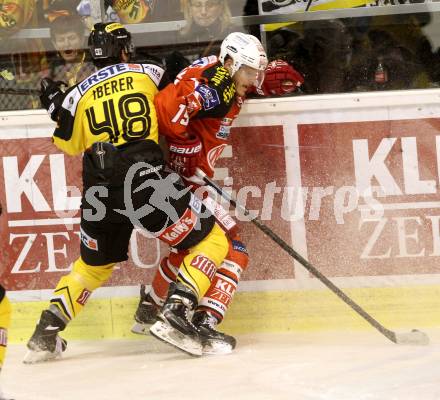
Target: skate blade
[(34, 357), (215, 347), (141, 329), (168, 334)]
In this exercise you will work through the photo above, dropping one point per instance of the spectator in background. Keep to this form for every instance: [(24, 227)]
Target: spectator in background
[(208, 22), (19, 59), (319, 50), (72, 63), (324, 56), (167, 10), (251, 8), (386, 65), (391, 52)]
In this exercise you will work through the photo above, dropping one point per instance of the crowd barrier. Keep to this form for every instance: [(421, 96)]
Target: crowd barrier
[(350, 181)]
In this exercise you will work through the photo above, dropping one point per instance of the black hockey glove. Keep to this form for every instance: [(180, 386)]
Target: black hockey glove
[(51, 96)]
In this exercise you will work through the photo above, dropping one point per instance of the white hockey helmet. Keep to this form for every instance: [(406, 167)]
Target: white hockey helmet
[(244, 49)]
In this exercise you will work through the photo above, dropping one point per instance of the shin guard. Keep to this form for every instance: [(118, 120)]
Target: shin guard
[(165, 274), (74, 289), (219, 295), (198, 268)]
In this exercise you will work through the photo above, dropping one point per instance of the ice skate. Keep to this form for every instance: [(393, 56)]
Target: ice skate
[(145, 314), (174, 325), (45, 344), (213, 341)]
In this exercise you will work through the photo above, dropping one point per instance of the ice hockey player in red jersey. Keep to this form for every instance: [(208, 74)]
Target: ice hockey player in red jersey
[(195, 115)]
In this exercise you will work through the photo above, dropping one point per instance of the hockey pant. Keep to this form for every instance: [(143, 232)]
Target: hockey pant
[(223, 286), (197, 270), (105, 241), (5, 320)]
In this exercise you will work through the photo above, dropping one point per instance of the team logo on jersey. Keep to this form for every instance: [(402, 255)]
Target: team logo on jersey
[(88, 241), (209, 97), (225, 129)]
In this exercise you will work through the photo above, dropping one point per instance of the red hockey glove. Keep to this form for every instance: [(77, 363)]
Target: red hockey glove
[(184, 156), (281, 79)]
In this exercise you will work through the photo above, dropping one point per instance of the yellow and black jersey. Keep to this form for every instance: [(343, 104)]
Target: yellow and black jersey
[(115, 104), (2, 292)]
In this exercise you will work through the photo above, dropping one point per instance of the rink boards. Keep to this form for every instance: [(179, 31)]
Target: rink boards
[(350, 181)]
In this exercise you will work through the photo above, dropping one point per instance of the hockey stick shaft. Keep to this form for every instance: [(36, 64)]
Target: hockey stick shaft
[(20, 92), (327, 282)]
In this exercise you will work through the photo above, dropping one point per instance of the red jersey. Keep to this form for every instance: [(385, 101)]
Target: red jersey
[(201, 102)]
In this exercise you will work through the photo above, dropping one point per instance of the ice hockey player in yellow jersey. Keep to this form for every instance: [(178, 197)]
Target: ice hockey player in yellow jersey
[(111, 119)]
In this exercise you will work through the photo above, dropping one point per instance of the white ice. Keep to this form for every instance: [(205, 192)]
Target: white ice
[(294, 366)]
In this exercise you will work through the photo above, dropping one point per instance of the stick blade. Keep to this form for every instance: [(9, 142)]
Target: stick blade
[(415, 337)]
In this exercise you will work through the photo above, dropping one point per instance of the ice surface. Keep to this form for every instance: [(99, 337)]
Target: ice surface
[(294, 366)]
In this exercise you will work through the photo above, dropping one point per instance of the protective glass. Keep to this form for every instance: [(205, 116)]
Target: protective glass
[(206, 3), (252, 75)]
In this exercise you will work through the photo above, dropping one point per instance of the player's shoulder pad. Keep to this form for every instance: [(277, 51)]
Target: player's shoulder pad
[(216, 87), (155, 71), (72, 96)]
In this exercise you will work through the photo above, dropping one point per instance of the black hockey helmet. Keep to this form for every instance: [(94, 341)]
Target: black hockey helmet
[(107, 40)]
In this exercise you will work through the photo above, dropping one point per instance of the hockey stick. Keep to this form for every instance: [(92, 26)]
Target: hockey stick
[(415, 337), (20, 92)]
